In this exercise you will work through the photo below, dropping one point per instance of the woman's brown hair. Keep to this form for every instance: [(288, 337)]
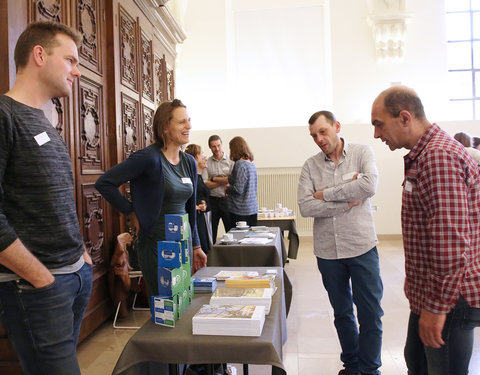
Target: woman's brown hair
[(193, 149), (162, 118), (239, 149)]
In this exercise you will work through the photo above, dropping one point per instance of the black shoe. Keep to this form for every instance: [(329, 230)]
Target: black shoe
[(345, 372)]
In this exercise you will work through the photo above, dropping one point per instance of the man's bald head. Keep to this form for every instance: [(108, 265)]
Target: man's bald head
[(398, 98)]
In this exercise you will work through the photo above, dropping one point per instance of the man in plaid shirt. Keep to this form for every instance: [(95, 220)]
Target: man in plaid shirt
[(441, 235)]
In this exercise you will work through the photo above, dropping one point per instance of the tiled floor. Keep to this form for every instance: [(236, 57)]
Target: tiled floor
[(312, 346)]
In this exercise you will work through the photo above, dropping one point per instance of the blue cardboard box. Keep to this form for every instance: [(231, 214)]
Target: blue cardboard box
[(170, 281), (177, 227), (165, 310), (169, 254), (185, 244)]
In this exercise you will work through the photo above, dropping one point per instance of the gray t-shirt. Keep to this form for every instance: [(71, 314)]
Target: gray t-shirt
[(36, 188)]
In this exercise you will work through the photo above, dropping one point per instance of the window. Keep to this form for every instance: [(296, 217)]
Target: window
[(463, 37)]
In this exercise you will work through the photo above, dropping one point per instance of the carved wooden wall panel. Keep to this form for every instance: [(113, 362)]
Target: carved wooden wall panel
[(89, 23), (93, 226), (130, 125), (91, 127), (50, 10), (147, 68), (147, 121), (128, 51), (160, 79), (170, 84)]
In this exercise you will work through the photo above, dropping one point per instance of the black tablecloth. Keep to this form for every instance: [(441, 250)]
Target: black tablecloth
[(153, 346)]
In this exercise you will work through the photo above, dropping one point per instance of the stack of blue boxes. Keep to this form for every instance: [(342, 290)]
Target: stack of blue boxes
[(175, 286)]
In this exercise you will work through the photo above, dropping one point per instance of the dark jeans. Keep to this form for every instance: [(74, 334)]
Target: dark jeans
[(452, 358), (361, 351), (43, 324), (251, 220), (219, 211)]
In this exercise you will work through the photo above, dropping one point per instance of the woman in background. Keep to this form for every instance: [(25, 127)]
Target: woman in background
[(203, 193), (163, 180), (466, 141), (242, 192)]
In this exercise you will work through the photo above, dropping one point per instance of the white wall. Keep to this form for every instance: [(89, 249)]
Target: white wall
[(356, 80)]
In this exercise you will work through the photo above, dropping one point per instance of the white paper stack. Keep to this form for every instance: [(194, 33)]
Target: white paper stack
[(229, 320), (254, 241), (243, 296), (224, 275)]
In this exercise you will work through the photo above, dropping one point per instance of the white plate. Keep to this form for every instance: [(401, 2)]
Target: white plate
[(243, 227)]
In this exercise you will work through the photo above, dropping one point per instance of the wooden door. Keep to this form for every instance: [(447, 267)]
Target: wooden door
[(127, 64)]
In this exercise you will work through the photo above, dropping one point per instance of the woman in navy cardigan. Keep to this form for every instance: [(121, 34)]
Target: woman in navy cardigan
[(163, 180)]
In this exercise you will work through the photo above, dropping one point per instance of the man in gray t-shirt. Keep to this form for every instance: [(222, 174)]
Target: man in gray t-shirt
[(45, 271), (215, 176)]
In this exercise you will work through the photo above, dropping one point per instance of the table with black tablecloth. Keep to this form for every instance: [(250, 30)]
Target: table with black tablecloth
[(284, 223), (273, 253), (152, 347)]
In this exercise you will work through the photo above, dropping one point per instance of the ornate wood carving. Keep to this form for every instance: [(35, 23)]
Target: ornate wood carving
[(171, 84), (93, 224), (128, 51), (88, 23), (91, 130), (147, 68), (130, 121), (51, 10), (147, 122), (161, 79)]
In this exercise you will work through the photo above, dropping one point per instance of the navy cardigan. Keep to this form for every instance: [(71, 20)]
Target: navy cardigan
[(147, 186)]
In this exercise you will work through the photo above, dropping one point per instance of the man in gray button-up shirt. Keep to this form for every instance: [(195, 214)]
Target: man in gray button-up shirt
[(335, 188)]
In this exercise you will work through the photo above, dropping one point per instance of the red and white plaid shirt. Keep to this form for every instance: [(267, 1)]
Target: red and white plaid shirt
[(441, 224)]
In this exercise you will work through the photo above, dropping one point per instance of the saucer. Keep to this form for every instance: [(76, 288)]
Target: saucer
[(242, 227)]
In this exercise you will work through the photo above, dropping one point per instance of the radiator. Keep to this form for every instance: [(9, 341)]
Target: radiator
[(279, 185)]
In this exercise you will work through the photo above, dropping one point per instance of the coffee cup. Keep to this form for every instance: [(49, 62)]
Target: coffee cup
[(227, 237), (241, 223)]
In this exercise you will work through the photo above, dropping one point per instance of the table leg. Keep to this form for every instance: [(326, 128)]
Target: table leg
[(173, 369), (245, 369)]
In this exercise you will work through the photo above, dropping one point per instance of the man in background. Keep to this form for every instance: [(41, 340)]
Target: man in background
[(45, 272), (335, 188), (441, 235), (219, 167)]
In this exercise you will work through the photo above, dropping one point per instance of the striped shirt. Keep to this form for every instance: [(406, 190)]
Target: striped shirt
[(339, 231), (242, 194), (441, 224)]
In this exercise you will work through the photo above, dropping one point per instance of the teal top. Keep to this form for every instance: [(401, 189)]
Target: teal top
[(178, 189)]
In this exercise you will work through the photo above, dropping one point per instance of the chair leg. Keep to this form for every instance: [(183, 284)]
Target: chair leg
[(135, 299), (115, 320)]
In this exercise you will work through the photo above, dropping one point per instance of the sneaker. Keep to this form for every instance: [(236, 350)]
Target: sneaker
[(345, 372)]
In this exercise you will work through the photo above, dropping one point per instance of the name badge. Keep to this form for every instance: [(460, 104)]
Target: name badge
[(42, 138), (408, 186), (186, 180)]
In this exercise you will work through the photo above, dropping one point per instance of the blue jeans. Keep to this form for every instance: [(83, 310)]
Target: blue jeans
[(452, 358), (361, 351), (43, 324)]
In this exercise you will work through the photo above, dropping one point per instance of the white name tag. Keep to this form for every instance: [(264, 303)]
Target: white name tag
[(42, 138), (348, 176), (408, 186), (186, 180)]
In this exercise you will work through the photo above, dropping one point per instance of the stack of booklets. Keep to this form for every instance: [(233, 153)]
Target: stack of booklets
[(263, 281), (224, 275), (204, 284), (229, 320), (243, 296)]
